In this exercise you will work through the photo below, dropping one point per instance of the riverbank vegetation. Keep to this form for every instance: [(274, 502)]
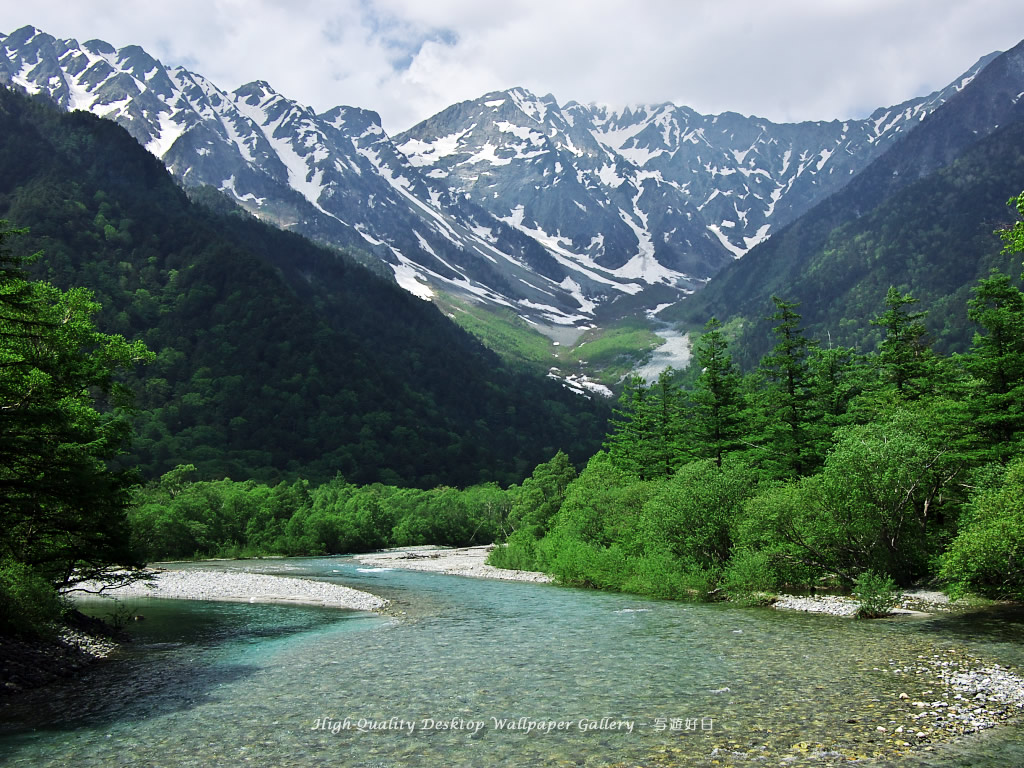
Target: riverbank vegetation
[(62, 421)]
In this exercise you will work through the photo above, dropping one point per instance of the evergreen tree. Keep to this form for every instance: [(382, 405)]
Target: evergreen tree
[(836, 379), (716, 400), (786, 400), (645, 430), (630, 428), (904, 357), (667, 451), (996, 360)]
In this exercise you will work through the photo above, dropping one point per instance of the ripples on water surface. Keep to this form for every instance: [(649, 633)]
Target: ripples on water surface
[(208, 684)]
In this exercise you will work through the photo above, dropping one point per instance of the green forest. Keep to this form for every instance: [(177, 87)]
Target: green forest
[(274, 358), (143, 330), (823, 468), (185, 385)]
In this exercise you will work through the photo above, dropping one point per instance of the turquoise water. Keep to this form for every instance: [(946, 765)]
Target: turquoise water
[(483, 673)]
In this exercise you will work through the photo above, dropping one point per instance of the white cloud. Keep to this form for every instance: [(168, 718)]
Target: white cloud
[(407, 59)]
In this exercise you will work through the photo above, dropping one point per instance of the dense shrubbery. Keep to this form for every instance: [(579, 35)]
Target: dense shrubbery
[(181, 517), (987, 555)]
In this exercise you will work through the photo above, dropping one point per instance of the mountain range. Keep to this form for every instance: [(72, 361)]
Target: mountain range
[(920, 218), (565, 214)]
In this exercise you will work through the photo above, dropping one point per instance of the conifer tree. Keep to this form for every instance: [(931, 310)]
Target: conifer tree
[(905, 358), (786, 401), (836, 379), (668, 450), (996, 361), (645, 430), (717, 402), (631, 429)]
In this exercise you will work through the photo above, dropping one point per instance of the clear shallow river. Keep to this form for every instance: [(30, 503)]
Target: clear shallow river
[(208, 684)]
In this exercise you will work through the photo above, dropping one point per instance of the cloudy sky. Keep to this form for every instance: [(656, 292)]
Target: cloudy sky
[(786, 60)]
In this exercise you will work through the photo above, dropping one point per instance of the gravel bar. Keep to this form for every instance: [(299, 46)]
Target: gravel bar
[(241, 586), (465, 561), (966, 695)]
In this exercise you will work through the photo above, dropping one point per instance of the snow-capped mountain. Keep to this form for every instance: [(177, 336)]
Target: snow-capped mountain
[(651, 190), (514, 200)]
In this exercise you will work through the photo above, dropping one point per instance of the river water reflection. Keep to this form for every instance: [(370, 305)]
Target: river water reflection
[(482, 673)]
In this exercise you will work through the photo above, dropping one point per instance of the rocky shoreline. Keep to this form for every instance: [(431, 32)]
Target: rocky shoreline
[(916, 602), (960, 694), (967, 696), (32, 663), (471, 561)]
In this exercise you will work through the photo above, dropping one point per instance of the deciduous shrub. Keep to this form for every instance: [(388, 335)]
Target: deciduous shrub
[(878, 595), (987, 556), (29, 605)]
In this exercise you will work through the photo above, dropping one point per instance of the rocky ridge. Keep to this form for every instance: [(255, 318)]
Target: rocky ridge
[(551, 210)]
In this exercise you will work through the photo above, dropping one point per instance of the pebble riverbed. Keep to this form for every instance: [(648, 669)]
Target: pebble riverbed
[(936, 696), (968, 695)]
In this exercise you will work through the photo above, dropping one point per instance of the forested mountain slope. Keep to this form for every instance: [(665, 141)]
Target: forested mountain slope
[(273, 355)]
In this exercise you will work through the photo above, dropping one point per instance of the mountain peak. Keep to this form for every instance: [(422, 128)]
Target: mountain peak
[(100, 47), (258, 89), (530, 105), (23, 36)]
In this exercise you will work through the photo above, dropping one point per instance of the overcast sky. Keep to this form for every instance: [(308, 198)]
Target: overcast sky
[(785, 60)]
